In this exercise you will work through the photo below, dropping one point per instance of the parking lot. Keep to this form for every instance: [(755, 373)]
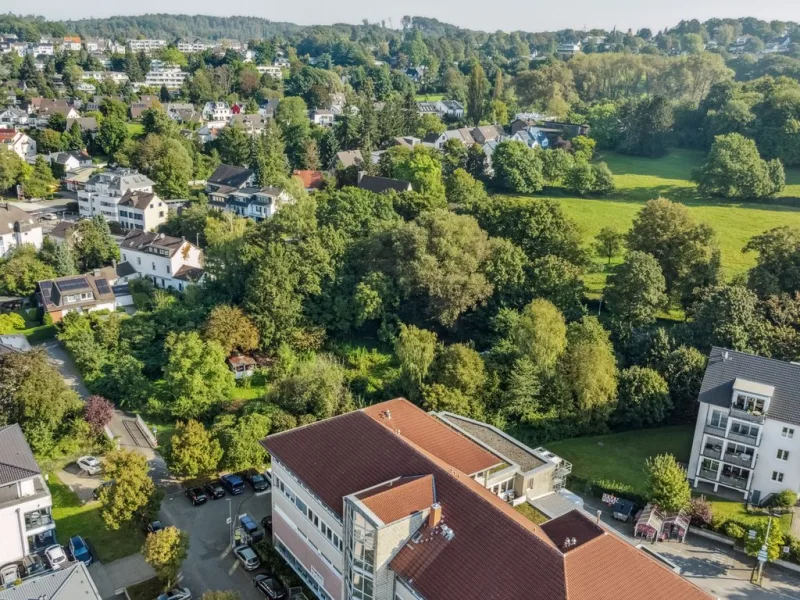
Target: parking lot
[(211, 564)]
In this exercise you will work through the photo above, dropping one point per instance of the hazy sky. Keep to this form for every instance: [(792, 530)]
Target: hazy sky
[(491, 15)]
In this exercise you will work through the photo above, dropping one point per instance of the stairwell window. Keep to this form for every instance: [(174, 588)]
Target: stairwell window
[(777, 476), (783, 455), (787, 432)]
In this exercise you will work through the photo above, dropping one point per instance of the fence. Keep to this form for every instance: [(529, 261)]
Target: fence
[(148, 435)]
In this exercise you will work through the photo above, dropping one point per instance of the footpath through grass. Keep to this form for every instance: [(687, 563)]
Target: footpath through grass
[(621, 456), (73, 518)]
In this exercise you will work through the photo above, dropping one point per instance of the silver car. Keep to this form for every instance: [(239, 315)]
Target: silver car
[(176, 594), (247, 557)]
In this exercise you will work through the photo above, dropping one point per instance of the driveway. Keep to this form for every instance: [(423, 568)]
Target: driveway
[(716, 568), (119, 574), (210, 564)]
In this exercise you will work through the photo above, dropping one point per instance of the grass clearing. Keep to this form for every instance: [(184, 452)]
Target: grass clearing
[(135, 130), (725, 510), (531, 513), (74, 518), (428, 97), (621, 456)]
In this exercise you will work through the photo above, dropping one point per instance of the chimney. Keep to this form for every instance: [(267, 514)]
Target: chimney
[(435, 515)]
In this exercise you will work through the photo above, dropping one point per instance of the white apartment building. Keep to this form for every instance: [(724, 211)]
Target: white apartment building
[(747, 437), (141, 210), (170, 77), (253, 202), (146, 46), (26, 522), (217, 111), (272, 70), (117, 77), (17, 228), (104, 191), (170, 262), (389, 503), (192, 46)]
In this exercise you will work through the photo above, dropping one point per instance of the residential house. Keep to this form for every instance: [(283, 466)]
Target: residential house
[(437, 140), (88, 125), (67, 583), (95, 45), (568, 130), (747, 436), (26, 521), (217, 111), (347, 158), (18, 142), (183, 112), (74, 293), (392, 503), (268, 108), (146, 46), (104, 191), (13, 117), (416, 74), (257, 203), (63, 231), (226, 179), (170, 262), (54, 107), (379, 185), (406, 141), (488, 133), (452, 108), (312, 180), (141, 105), (17, 228), (141, 210), (427, 108), (171, 78), (192, 46), (322, 117), (207, 133), (117, 77), (533, 137), (70, 160), (71, 43), (76, 179), (273, 71), (252, 124), (282, 62), (568, 50)]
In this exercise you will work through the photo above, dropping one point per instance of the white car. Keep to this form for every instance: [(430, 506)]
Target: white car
[(247, 557), (176, 594), (56, 557), (90, 464), (49, 217)]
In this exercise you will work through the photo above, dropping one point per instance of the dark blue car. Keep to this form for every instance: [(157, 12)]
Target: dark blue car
[(79, 550), (233, 483)]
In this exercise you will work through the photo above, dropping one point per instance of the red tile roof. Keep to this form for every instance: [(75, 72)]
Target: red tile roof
[(399, 499), (432, 435), (310, 179)]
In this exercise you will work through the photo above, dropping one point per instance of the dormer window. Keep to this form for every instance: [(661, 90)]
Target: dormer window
[(751, 397), (749, 404)]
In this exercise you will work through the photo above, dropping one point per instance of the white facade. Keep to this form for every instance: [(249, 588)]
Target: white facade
[(271, 70), (10, 239), (104, 191), (146, 45), (191, 46), (25, 515), (142, 211), (170, 77), (20, 143), (161, 262), (115, 76), (217, 111)]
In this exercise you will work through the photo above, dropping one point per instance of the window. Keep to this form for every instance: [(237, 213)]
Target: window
[(777, 476), (750, 431), (718, 419), (138, 260), (787, 432), (168, 269), (154, 266), (783, 455), (124, 258)]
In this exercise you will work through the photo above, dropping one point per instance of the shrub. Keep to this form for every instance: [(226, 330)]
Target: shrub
[(785, 499), (734, 530), (700, 511)]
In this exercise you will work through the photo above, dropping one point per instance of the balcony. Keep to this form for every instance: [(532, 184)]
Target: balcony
[(37, 519), (709, 474), (712, 453), (713, 430), (735, 482), (741, 459), (745, 439), (752, 417)]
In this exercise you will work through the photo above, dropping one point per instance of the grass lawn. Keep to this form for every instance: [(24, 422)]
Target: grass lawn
[(74, 518), (792, 183), (620, 456), (429, 97), (531, 513), (724, 510), (135, 129), (641, 179)]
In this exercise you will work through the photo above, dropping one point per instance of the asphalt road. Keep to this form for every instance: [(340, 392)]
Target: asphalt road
[(210, 564)]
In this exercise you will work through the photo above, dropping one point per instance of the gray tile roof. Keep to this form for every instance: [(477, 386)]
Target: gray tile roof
[(16, 459), (717, 386), (70, 583)]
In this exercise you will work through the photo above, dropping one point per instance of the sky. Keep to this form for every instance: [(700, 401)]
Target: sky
[(508, 15)]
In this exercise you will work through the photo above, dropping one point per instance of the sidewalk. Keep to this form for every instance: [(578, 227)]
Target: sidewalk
[(119, 574), (716, 568)]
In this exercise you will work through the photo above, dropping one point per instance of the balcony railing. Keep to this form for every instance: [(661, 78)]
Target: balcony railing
[(753, 417), (709, 453), (713, 430), (735, 482), (745, 460), (745, 439), (34, 522), (708, 474)]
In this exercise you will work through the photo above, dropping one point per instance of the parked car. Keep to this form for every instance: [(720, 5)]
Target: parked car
[(153, 526), (256, 480), (269, 586), (89, 464), (266, 525), (56, 557), (49, 217), (176, 594), (96, 491), (9, 574), (33, 564), (268, 476), (251, 528), (79, 550), (233, 483), (196, 495), (214, 489), (248, 557)]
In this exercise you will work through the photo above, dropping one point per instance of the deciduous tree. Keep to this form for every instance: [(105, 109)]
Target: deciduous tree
[(643, 399), (635, 292), (131, 490), (192, 451), (231, 329), (165, 550), (667, 485)]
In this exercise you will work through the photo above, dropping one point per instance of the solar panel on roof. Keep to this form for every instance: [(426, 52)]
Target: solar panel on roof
[(76, 283), (102, 286)]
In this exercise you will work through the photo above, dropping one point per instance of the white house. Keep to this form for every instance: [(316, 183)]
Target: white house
[(13, 117), (217, 111), (70, 160), (747, 436), (20, 143), (192, 46), (141, 210), (170, 77), (568, 50), (17, 228), (254, 202), (117, 77), (26, 521), (252, 124), (322, 117), (103, 192), (146, 46), (170, 262), (271, 70)]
